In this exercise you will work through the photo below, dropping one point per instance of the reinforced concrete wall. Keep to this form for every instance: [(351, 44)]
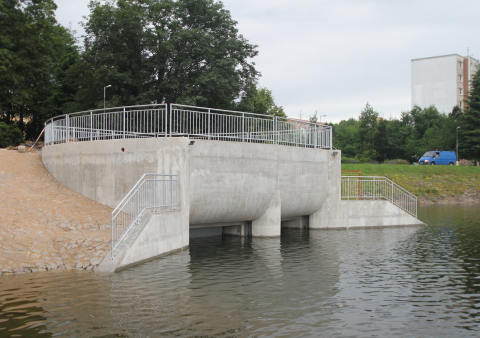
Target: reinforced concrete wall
[(249, 189), (349, 214), (156, 234), (219, 181)]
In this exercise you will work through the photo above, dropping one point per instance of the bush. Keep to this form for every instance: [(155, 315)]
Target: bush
[(368, 156), (10, 135), (397, 161)]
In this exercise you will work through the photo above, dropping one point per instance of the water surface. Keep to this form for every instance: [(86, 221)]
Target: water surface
[(385, 282)]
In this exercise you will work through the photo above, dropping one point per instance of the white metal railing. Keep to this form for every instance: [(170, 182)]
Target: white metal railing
[(226, 125), (181, 120), (110, 123), (378, 187), (152, 191)]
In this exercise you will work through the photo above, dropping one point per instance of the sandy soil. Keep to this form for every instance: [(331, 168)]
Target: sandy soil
[(44, 225)]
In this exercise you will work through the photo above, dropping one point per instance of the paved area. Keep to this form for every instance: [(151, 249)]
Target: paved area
[(44, 225)]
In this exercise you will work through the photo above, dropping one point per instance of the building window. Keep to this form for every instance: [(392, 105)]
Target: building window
[(460, 78), (460, 64), (460, 91), (460, 104)]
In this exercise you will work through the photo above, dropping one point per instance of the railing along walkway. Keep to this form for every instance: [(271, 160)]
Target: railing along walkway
[(189, 121), (152, 191), (378, 187)]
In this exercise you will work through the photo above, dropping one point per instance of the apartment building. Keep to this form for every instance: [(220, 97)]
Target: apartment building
[(442, 81)]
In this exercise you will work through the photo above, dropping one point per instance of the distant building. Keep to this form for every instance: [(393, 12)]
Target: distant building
[(442, 81)]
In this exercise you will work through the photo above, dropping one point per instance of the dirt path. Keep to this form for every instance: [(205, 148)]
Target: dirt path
[(44, 225)]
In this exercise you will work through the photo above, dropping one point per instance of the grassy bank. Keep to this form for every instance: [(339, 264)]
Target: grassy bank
[(430, 183)]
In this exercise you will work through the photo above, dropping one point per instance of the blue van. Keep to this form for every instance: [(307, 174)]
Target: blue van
[(438, 157)]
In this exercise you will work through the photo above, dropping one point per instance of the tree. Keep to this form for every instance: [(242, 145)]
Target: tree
[(31, 49), (259, 100), (10, 135), (470, 129), (345, 137), (456, 112), (380, 141), (366, 130), (154, 51)]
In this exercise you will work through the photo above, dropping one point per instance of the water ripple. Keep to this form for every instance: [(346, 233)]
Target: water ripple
[(389, 282)]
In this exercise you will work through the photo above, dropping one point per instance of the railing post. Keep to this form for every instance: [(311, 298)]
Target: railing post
[(392, 192), (171, 191), (348, 188), (154, 192), (331, 137), (91, 128), (67, 124), (111, 227), (165, 125), (374, 188), (124, 122), (275, 138), (170, 131), (138, 205), (208, 121), (243, 127), (416, 204)]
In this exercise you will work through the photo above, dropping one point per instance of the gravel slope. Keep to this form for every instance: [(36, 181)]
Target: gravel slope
[(43, 224)]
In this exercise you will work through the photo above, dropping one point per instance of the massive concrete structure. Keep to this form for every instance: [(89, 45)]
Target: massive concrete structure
[(230, 188)]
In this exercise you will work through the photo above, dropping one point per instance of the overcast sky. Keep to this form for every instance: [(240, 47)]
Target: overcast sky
[(335, 56)]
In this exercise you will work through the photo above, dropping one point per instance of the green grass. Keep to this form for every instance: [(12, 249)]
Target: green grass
[(428, 182)]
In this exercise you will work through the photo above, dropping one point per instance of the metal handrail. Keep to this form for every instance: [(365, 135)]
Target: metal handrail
[(161, 120), (228, 125), (152, 191), (378, 187)]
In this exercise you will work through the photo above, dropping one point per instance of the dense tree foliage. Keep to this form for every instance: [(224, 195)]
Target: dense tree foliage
[(470, 129), (259, 100), (10, 135), (150, 51), (185, 51), (34, 53), (417, 131)]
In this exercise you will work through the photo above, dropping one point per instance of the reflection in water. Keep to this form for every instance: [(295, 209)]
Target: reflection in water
[(406, 282)]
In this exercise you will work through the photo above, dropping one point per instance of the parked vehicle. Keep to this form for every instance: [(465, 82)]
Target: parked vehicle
[(438, 157)]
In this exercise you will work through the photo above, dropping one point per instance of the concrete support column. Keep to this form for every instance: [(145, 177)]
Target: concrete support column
[(299, 223), (270, 223), (242, 230), (331, 207)]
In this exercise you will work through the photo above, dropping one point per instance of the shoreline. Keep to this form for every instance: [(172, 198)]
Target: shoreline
[(467, 198), (46, 226)]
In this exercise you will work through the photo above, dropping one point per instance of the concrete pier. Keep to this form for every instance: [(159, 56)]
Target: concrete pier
[(246, 189)]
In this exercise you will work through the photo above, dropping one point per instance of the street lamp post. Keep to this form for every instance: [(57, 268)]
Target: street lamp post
[(320, 117), (457, 144), (104, 89)]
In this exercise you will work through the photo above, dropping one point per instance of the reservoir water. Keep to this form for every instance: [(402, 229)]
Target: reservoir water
[(384, 282)]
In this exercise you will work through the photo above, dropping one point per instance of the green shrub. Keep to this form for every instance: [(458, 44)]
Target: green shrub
[(10, 135), (397, 161)]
